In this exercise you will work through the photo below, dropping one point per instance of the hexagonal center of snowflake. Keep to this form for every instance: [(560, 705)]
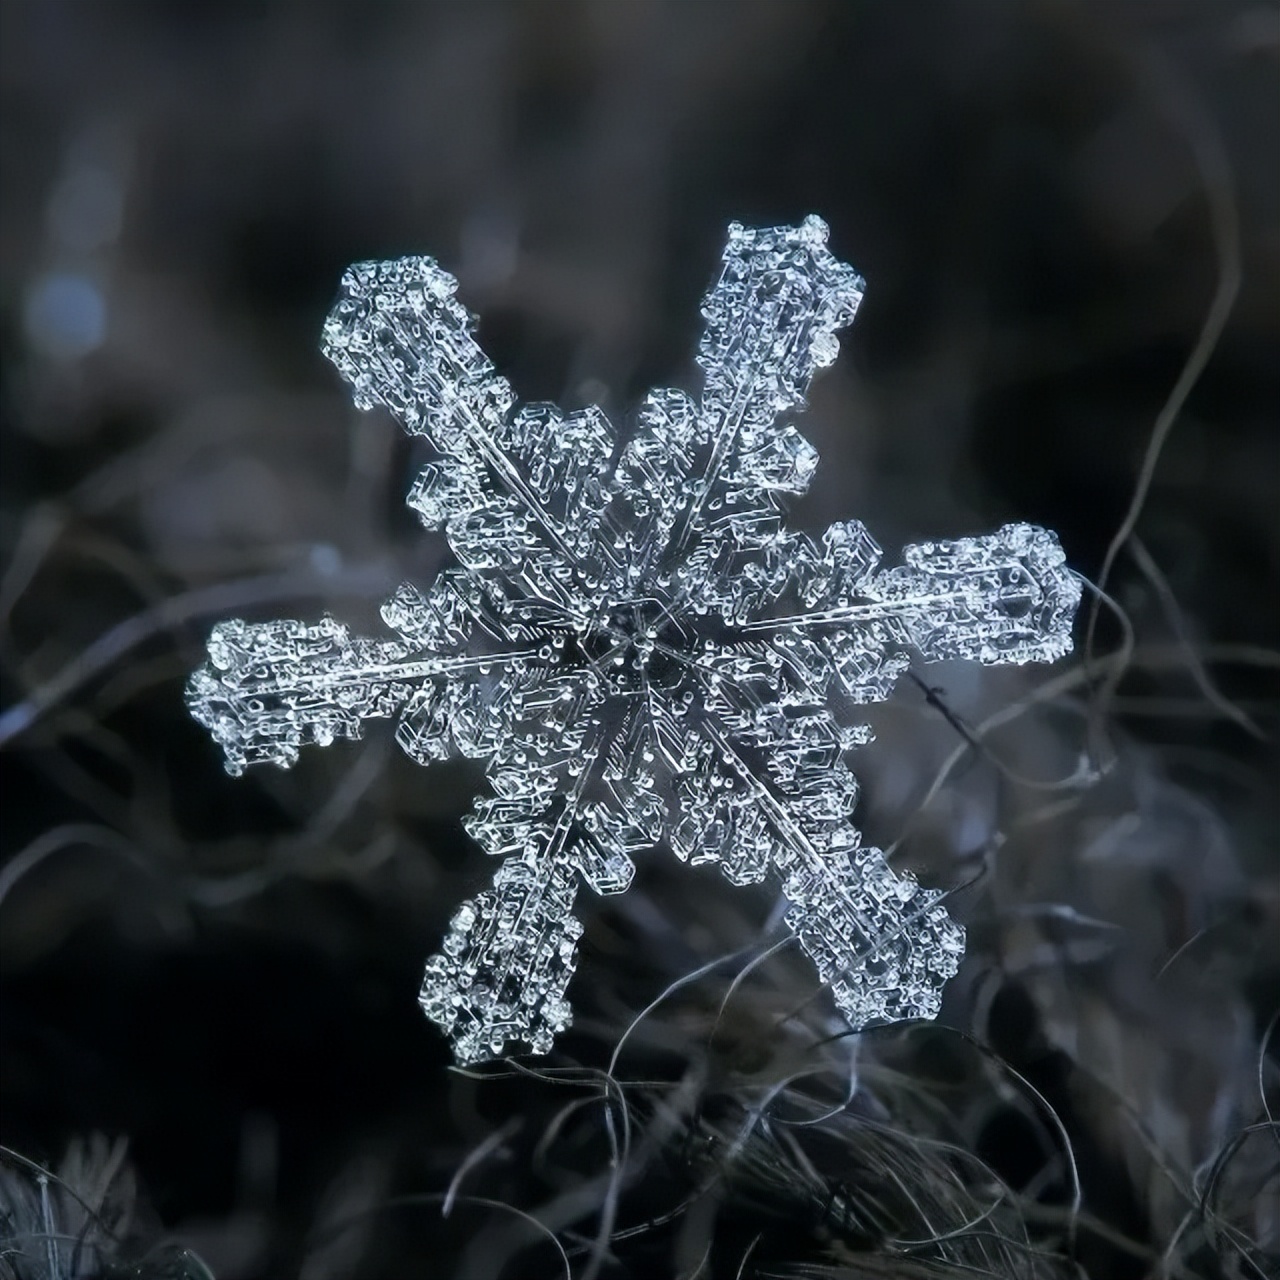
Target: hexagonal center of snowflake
[(633, 645)]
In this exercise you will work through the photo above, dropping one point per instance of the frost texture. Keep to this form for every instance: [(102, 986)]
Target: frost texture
[(634, 642)]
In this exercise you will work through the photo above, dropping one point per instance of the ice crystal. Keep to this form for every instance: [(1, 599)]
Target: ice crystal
[(636, 644)]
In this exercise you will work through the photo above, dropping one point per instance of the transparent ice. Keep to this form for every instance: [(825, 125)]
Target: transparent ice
[(635, 643)]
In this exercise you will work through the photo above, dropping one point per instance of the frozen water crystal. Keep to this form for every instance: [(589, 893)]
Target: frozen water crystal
[(634, 642)]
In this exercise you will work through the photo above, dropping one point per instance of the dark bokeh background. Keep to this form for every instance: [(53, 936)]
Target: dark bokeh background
[(1045, 199)]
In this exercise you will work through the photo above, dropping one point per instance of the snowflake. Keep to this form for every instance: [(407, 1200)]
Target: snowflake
[(635, 644)]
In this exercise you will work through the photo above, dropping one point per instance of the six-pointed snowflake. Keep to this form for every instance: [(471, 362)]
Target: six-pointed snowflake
[(637, 646)]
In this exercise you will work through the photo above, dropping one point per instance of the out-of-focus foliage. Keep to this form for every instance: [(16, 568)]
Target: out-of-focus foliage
[(79, 1221), (1049, 203)]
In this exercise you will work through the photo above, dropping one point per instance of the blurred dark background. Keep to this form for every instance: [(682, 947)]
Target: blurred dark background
[(1046, 200)]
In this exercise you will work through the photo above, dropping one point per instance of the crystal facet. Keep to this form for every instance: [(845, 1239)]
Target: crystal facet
[(634, 642)]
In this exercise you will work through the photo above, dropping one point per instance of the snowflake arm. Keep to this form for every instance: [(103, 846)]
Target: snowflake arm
[(515, 493), (771, 322), (636, 646), (270, 688), (506, 960), (1006, 597), (769, 794)]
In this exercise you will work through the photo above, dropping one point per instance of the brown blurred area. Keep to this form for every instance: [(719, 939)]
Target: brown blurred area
[(1045, 198)]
